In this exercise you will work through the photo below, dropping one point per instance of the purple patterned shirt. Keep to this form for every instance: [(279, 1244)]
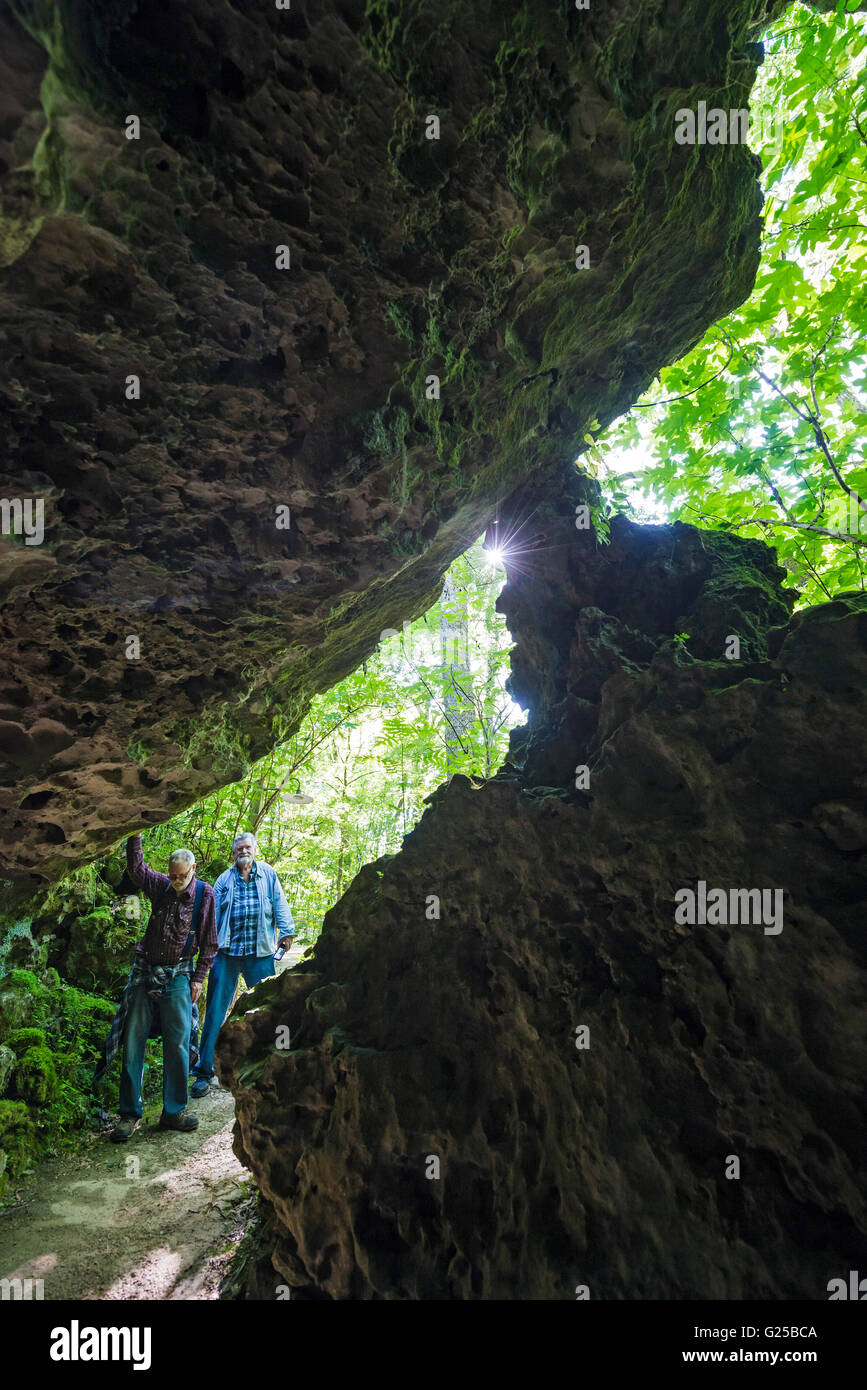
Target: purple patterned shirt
[(171, 914)]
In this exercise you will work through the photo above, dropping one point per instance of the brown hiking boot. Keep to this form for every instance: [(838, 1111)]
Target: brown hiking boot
[(121, 1132), (184, 1121)]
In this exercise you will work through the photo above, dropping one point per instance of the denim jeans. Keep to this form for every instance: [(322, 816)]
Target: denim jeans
[(221, 991), (175, 1009)]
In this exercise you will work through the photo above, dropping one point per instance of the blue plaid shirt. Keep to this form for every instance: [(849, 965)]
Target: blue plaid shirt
[(245, 915)]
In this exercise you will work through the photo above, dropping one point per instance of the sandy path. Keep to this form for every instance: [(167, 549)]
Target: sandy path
[(159, 1217)]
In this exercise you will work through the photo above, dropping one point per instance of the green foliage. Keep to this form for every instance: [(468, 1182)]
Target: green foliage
[(368, 753), (57, 1050), (81, 1016), (17, 1141), (24, 980), (759, 428), (101, 916), (22, 1038), (399, 315), (139, 750), (35, 1076), (100, 948)]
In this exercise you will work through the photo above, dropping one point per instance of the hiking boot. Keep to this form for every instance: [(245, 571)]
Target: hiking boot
[(200, 1087), (184, 1121), (122, 1131)]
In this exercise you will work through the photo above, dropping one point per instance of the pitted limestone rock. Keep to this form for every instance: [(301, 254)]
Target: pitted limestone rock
[(167, 388), (602, 1157)]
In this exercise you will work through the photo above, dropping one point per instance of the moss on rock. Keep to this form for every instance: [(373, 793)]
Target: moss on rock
[(52, 1036), (17, 1141), (35, 1076), (7, 1062), (23, 1038), (17, 1000), (100, 949)]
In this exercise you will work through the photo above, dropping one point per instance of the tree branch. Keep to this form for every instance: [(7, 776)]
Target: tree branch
[(669, 399)]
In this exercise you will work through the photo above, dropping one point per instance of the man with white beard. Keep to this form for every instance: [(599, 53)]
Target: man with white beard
[(253, 919)]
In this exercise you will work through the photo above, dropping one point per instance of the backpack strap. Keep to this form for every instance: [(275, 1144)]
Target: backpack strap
[(194, 921)]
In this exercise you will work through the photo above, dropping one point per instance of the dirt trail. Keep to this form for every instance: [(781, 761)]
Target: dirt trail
[(159, 1217)]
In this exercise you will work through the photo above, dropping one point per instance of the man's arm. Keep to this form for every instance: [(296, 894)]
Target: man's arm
[(152, 883), (207, 937), (282, 916)]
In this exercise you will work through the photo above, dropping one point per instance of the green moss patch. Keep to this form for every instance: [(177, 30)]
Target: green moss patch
[(35, 1076), (55, 1033)]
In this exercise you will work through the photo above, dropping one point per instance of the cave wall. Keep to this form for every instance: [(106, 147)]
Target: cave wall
[(305, 387), (416, 1037), (453, 1037)]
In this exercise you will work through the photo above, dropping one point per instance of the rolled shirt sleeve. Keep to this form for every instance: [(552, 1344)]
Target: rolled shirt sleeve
[(144, 877)]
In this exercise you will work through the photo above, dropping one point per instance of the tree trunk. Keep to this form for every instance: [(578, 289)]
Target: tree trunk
[(457, 679)]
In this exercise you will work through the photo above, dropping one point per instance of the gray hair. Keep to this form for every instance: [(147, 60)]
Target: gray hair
[(245, 835), (184, 856)]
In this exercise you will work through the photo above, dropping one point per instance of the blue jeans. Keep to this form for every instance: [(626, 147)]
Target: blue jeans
[(175, 1009), (221, 992)]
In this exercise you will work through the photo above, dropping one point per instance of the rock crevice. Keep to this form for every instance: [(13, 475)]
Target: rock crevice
[(599, 1158)]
